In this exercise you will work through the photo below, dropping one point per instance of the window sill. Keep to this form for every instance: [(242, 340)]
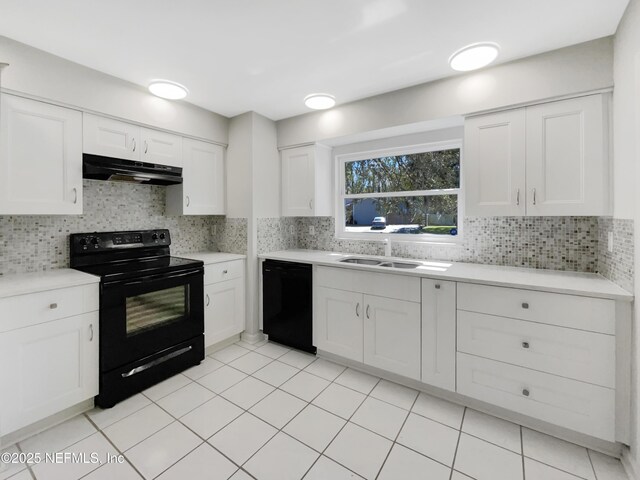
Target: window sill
[(431, 240)]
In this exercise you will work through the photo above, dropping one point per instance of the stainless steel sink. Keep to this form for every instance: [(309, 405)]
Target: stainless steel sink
[(399, 265), (361, 261)]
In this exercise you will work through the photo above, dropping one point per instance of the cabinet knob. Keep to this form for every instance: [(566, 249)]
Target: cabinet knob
[(437, 286), (526, 392), (525, 305), (525, 344), (53, 306), (225, 272)]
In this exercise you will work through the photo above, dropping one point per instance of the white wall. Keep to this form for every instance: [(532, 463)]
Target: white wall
[(626, 176), (239, 167), (40, 74), (575, 69), (266, 167)]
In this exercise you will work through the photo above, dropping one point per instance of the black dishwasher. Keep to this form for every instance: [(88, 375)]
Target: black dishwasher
[(287, 304)]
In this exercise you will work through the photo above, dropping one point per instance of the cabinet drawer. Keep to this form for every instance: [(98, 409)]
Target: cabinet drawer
[(575, 405), (30, 309), (220, 272), (400, 287), (586, 356), (584, 313)]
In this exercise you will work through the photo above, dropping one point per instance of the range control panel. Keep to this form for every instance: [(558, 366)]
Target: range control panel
[(109, 241)]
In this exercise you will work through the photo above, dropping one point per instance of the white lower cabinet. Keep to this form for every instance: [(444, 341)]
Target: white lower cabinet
[(224, 306), (392, 335), (338, 322), (47, 368), (579, 406), (439, 333)]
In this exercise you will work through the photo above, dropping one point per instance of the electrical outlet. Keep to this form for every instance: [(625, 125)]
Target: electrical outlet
[(312, 230), (214, 229), (290, 229), (610, 241)]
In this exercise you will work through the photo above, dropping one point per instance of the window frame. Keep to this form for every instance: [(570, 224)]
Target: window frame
[(341, 160)]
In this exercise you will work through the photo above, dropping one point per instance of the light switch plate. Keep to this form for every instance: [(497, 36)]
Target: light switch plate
[(610, 241), (312, 230)]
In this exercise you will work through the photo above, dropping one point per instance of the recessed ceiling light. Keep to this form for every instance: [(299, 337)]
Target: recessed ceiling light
[(474, 56), (319, 101), (168, 89)]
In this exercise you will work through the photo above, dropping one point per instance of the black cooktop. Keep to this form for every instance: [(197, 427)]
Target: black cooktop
[(115, 256), (143, 267)]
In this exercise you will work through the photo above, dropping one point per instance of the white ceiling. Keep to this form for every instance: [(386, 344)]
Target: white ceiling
[(266, 55)]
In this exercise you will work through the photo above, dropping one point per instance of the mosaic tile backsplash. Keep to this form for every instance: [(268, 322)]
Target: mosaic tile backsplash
[(618, 265), (36, 243), (277, 234), (557, 243), (229, 235)]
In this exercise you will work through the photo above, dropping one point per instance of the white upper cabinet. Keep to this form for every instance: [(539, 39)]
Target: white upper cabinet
[(113, 138), (110, 138), (161, 148), (203, 189), (494, 164), (306, 181), (543, 160), (40, 158), (567, 158)]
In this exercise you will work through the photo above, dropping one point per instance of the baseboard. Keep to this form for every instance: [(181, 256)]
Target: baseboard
[(629, 464), (220, 345), (252, 337)]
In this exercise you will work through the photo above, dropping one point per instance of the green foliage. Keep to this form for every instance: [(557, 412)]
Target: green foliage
[(401, 173)]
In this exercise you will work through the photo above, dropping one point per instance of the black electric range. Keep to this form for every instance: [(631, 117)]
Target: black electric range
[(151, 308)]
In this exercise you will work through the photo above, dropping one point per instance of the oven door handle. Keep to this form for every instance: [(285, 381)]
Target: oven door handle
[(155, 362), (155, 277)]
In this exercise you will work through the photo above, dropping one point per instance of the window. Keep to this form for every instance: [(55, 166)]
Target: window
[(413, 192)]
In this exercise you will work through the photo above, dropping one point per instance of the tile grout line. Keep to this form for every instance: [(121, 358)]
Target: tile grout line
[(455, 453), (595, 475)]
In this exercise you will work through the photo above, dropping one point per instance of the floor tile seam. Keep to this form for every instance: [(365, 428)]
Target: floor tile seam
[(455, 453)]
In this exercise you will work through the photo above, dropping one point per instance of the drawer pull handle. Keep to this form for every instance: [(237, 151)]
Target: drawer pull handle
[(368, 312), (53, 306), (357, 309), (225, 271), (208, 300), (91, 332), (525, 305), (437, 286), (526, 392), (525, 344)]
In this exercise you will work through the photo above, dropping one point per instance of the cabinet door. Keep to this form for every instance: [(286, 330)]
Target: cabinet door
[(567, 161), (298, 181), (111, 138), (224, 310), (161, 148), (204, 178), (494, 164), (392, 335), (40, 158), (47, 368), (439, 333), (338, 322)]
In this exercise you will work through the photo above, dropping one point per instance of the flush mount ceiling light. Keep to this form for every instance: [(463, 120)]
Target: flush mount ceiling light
[(319, 101), (474, 56), (168, 89)]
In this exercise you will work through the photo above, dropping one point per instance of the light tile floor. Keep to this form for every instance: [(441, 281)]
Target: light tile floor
[(270, 413)]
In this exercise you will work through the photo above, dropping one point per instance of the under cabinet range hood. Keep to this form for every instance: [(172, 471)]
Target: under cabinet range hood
[(96, 167)]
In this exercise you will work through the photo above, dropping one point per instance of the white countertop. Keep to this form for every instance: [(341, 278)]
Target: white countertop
[(576, 283), (24, 283), (211, 257)]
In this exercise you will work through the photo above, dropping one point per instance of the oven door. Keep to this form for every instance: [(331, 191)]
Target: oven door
[(142, 316)]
